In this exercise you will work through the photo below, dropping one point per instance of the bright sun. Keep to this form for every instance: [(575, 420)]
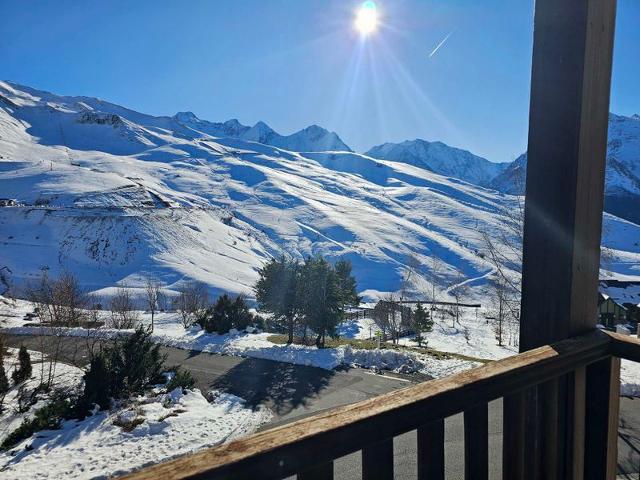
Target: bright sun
[(366, 20)]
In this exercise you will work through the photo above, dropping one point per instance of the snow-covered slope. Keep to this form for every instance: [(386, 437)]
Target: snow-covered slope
[(512, 180), (440, 158), (114, 195), (622, 183)]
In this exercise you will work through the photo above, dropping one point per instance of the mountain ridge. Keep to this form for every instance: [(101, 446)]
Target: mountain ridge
[(440, 158), (622, 177)]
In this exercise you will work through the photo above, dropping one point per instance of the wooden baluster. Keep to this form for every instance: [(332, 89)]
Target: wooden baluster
[(601, 419), (319, 472), (377, 461), (431, 451), (476, 443), (513, 428)]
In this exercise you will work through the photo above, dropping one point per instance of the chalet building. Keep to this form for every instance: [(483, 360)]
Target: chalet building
[(618, 303), (610, 312)]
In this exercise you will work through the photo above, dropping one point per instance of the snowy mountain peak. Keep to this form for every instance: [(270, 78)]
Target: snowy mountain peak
[(440, 158), (260, 133), (186, 117), (622, 182), (315, 138)]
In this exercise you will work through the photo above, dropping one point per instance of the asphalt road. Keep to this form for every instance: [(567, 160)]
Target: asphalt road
[(292, 392)]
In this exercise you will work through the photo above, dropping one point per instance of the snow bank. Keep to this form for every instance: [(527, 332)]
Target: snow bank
[(258, 346), (65, 377), (172, 424), (629, 378)]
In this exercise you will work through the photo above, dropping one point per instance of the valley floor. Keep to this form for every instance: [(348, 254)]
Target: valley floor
[(175, 423)]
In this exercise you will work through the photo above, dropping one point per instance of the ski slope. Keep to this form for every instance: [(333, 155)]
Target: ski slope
[(116, 195)]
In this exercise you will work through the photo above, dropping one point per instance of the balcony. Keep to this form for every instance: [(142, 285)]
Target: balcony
[(307, 448), (561, 393)]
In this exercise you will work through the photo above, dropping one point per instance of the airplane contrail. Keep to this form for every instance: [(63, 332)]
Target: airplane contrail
[(433, 52)]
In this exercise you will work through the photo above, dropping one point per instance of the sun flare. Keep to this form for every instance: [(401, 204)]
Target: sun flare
[(366, 21)]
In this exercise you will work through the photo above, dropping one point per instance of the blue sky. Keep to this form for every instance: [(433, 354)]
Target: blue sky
[(292, 63)]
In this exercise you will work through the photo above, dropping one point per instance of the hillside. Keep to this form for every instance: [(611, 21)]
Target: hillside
[(115, 195)]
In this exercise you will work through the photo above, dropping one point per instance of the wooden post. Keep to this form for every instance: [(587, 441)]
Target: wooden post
[(568, 119)]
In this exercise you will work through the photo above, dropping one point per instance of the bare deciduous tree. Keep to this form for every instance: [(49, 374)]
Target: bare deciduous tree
[(59, 303), (505, 312), (434, 278), (409, 272), (123, 309), (458, 290), (391, 317), (191, 301), (152, 290)]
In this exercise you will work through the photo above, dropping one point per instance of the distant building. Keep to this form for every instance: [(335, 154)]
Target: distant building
[(610, 312), (619, 303)]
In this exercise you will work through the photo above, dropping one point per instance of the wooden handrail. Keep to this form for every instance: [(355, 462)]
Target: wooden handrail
[(314, 441), (624, 346)]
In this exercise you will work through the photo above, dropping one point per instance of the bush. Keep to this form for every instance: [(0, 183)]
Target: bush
[(226, 314), (181, 379), (96, 386), (259, 322), (23, 372), (48, 417), (127, 367), (134, 362)]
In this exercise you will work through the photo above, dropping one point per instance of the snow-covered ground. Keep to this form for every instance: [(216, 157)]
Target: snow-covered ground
[(172, 424), (473, 336), (65, 376), (170, 332), (166, 425)]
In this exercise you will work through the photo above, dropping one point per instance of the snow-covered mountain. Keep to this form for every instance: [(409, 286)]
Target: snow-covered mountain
[(513, 179), (622, 182), (310, 139), (440, 158), (114, 195)]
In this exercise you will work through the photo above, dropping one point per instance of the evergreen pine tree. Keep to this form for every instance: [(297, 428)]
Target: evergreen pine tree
[(346, 283), (4, 381), (222, 314), (277, 293), (321, 298), (241, 317), (96, 389), (422, 322), (23, 372)]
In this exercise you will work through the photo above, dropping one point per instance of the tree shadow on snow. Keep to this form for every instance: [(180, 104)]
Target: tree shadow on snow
[(280, 386)]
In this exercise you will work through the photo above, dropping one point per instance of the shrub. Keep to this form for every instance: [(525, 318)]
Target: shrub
[(23, 372), (259, 322), (125, 368), (181, 379), (133, 362), (96, 386), (226, 314), (241, 317), (48, 417)]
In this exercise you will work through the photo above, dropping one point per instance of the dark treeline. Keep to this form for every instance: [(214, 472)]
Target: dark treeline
[(306, 296)]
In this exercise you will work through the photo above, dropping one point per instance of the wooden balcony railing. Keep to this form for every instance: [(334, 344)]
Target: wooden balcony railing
[(308, 447)]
